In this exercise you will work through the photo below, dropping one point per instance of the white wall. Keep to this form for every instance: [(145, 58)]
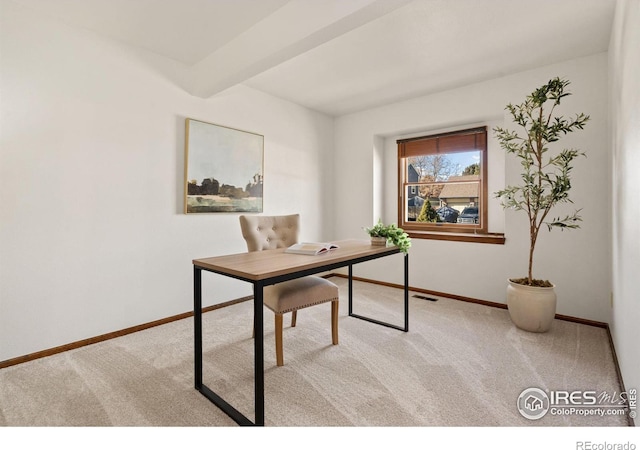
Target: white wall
[(576, 261), (92, 235), (93, 238), (625, 133)]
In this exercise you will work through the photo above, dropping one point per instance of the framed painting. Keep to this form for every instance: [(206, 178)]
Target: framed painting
[(223, 169)]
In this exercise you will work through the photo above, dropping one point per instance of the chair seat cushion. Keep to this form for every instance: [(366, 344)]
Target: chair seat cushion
[(299, 293)]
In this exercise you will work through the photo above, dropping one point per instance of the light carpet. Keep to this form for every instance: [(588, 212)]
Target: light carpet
[(460, 364)]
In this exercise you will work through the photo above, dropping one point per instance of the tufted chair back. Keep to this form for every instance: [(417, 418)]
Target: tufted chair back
[(268, 232)]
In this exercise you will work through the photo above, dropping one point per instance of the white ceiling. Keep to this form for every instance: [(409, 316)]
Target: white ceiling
[(342, 56)]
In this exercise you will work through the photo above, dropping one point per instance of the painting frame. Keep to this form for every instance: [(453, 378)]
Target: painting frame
[(223, 169)]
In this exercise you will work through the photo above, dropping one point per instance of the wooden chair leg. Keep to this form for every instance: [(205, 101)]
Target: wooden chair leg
[(334, 322), (294, 316), (279, 356)]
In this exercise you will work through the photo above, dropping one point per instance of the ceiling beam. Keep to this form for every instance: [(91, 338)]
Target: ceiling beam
[(296, 28)]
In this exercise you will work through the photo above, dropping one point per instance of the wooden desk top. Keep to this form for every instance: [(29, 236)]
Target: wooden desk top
[(267, 264)]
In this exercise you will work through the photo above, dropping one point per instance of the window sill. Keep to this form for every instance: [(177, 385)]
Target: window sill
[(487, 238)]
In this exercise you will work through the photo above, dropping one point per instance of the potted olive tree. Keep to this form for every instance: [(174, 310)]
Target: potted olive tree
[(545, 182)]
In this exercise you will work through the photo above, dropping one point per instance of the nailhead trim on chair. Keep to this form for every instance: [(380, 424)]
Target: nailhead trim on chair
[(302, 307)]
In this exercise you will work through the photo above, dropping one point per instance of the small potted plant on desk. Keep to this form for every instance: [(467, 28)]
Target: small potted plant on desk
[(545, 182), (381, 234)]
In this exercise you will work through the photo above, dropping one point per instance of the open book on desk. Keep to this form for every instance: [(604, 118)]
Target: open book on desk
[(311, 248)]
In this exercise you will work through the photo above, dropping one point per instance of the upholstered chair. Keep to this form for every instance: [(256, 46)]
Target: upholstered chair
[(269, 232)]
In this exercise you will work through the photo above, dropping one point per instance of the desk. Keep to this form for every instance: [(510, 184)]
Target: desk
[(269, 267)]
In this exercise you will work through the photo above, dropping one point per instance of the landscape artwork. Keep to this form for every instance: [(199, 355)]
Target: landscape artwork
[(223, 169)]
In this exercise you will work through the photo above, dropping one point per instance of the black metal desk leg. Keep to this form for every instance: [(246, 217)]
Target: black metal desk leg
[(406, 292), (405, 326), (197, 315), (258, 353), (350, 289)]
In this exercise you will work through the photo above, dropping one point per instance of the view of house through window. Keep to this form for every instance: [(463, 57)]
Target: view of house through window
[(442, 184)]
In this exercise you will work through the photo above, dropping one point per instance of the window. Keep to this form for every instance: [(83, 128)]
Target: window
[(442, 185)]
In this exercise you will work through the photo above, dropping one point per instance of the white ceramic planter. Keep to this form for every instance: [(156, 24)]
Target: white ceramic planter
[(531, 308)]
